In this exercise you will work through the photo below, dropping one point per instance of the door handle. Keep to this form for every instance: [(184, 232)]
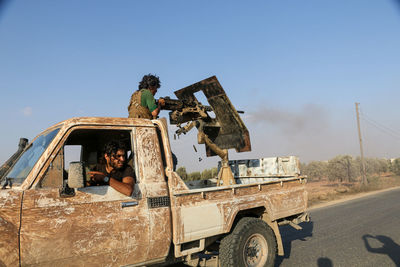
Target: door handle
[(129, 204)]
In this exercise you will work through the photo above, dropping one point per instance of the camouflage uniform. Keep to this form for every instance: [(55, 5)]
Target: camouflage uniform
[(135, 109)]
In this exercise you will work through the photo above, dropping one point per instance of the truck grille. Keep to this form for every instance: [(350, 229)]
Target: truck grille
[(158, 202)]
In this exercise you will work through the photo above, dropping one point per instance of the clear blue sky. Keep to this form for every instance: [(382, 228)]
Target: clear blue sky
[(295, 67)]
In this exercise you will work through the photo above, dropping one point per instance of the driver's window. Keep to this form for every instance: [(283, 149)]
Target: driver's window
[(87, 146), (83, 145)]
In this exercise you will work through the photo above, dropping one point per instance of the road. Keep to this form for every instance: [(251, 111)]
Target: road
[(361, 232)]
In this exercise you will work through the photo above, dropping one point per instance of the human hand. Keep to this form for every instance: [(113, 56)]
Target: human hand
[(97, 177), (161, 102)]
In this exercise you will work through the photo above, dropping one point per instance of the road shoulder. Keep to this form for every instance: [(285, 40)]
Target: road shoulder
[(348, 198)]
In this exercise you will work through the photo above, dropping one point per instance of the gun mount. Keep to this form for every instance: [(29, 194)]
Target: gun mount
[(224, 131)]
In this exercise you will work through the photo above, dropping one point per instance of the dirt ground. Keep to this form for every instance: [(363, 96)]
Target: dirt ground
[(323, 191)]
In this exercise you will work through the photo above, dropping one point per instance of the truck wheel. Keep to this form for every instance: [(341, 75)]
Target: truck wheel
[(251, 244)]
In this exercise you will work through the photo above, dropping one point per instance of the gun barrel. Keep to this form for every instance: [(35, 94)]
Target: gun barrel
[(172, 104), (208, 108), (176, 104)]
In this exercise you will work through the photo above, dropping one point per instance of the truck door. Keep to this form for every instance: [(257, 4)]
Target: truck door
[(94, 225), (151, 168), (10, 207)]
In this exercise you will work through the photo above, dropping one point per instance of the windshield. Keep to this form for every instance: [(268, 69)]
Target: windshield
[(30, 156)]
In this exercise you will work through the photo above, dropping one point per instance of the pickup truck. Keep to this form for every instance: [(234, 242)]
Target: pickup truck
[(49, 216)]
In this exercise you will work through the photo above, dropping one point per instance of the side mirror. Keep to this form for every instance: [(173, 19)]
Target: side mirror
[(76, 175)]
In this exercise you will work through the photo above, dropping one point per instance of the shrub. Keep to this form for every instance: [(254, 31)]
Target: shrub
[(315, 170), (395, 166), (342, 168), (182, 173)]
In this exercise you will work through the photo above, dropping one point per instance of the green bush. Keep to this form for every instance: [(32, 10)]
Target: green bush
[(315, 170), (395, 166), (194, 176), (182, 173), (342, 168)]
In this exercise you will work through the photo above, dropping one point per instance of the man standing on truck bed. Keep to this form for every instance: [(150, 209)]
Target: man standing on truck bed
[(143, 104), (114, 172)]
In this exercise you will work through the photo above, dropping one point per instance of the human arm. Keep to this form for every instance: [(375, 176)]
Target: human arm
[(150, 103), (368, 246), (127, 183), (160, 104), (125, 186)]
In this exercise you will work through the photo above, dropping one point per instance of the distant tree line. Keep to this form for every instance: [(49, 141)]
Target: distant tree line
[(345, 168), (205, 174), (342, 168)]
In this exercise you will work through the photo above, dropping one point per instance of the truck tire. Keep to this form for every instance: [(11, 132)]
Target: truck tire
[(252, 243)]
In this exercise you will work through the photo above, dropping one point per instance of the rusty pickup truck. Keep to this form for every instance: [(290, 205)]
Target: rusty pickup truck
[(50, 217)]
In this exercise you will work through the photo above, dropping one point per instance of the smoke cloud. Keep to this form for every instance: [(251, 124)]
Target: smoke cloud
[(308, 119)]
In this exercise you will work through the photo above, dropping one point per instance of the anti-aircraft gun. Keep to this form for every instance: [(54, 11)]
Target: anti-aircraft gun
[(224, 131)]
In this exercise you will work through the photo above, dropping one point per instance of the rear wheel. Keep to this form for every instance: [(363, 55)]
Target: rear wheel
[(252, 243)]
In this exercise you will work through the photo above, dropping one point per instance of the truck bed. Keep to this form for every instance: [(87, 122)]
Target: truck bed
[(207, 183), (254, 171), (204, 210)]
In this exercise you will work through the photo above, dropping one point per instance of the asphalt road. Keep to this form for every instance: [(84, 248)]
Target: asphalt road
[(361, 232)]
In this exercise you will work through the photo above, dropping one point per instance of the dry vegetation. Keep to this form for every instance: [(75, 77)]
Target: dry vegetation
[(341, 177), (325, 190), (334, 179)]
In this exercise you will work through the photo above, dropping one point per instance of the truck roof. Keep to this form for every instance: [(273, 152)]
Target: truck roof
[(115, 121)]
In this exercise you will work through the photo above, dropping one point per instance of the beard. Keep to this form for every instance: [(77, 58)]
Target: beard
[(116, 165)]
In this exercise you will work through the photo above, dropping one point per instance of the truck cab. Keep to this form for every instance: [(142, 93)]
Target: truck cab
[(44, 221)]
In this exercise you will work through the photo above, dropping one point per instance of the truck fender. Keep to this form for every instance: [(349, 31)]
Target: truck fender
[(274, 226), (261, 210), (256, 207)]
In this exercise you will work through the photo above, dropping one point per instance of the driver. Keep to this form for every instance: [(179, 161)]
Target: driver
[(114, 171)]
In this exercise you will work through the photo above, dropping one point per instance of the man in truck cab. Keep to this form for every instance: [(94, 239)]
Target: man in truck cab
[(143, 104), (114, 171)]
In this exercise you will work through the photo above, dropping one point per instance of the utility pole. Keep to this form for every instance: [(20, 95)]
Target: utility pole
[(363, 173)]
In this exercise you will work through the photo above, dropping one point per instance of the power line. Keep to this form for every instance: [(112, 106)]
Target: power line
[(381, 127), (380, 124), (382, 130)]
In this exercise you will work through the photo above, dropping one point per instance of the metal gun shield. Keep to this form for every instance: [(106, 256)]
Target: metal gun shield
[(227, 129)]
